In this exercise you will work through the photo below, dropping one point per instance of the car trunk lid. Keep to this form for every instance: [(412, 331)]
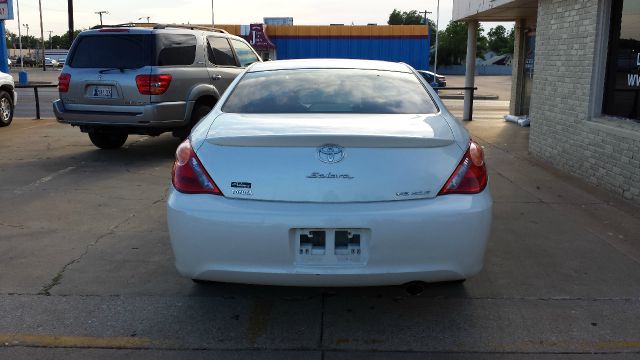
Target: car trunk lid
[(330, 157)]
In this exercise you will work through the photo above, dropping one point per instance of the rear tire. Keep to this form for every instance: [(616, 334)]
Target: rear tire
[(199, 111), (6, 108), (108, 140)]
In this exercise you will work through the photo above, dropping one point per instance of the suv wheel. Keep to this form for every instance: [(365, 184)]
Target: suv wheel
[(199, 111), (6, 109), (108, 140)]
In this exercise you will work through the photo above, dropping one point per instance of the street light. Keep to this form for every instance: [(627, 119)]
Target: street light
[(145, 17), (100, 14), (27, 27)]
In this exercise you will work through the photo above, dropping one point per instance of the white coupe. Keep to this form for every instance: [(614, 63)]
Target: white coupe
[(329, 173)]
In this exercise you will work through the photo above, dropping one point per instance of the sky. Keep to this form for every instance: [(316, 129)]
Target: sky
[(311, 12)]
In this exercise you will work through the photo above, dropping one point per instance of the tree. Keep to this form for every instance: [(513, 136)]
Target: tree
[(452, 47), (412, 17), (499, 42)]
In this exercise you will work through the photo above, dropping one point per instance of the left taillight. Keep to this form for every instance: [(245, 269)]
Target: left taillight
[(63, 82), (470, 176), (188, 175), (153, 84)]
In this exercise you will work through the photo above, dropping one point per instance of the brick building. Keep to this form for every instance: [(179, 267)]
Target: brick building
[(576, 73)]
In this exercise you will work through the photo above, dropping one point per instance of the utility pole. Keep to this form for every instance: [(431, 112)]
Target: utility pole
[(435, 62), (100, 14), (426, 22), (50, 42), (44, 66), (20, 40), (70, 14)]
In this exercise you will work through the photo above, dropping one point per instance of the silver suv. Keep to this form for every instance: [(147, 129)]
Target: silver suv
[(121, 80)]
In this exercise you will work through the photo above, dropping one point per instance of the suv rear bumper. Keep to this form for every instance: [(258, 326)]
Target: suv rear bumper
[(170, 115)]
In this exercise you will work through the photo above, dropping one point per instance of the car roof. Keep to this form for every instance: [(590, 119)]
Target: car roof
[(329, 64)]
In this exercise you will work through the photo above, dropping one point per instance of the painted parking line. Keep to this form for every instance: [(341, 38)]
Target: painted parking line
[(43, 180), (74, 341)]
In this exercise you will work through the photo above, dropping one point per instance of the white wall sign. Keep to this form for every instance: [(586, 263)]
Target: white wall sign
[(6, 10)]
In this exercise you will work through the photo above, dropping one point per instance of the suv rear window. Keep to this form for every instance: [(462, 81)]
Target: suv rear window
[(176, 49), (132, 51), (112, 51), (329, 91)]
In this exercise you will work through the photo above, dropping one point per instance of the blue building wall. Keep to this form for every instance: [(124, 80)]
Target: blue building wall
[(411, 50)]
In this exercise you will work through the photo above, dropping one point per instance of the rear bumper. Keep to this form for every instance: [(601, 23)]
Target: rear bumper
[(163, 115), (244, 241)]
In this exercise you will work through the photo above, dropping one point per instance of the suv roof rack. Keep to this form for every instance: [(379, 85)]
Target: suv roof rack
[(162, 26), (114, 26), (190, 27)]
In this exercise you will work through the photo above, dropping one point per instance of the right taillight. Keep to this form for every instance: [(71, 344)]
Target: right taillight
[(188, 175), (153, 84), (63, 82), (470, 177)]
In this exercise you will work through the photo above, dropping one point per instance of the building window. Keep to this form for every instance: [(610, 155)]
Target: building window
[(622, 85)]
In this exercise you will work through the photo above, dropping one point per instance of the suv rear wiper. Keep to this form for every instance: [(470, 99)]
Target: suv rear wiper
[(122, 69)]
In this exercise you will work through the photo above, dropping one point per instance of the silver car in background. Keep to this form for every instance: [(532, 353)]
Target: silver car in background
[(120, 80)]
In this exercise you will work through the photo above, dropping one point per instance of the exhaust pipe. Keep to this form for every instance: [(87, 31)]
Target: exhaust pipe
[(414, 288)]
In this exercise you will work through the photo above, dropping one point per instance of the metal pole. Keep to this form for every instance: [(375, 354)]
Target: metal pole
[(26, 26), (35, 91), (435, 62), (212, 17), (44, 66), (20, 36), (70, 14), (469, 80)]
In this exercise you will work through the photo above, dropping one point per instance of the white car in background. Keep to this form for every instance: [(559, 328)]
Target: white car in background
[(51, 62), (329, 173), (8, 99)]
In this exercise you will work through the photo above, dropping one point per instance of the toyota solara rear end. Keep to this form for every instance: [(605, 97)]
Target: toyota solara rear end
[(329, 173)]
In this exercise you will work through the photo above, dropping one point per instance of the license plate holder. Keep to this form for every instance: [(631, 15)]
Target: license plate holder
[(102, 92), (331, 247)]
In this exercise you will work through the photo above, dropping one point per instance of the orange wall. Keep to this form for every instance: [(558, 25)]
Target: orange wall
[(327, 30)]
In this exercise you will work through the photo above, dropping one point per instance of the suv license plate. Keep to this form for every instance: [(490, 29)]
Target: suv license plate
[(102, 91)]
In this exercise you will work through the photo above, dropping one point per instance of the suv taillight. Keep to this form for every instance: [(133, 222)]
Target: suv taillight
[(63, 82), (188, 175), (153, 84), (470, 177)]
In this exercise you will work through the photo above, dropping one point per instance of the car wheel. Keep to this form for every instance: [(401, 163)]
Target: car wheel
[(6, 109), (108, 140)]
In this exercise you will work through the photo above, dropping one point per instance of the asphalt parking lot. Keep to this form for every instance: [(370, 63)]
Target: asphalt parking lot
[(86, 269)]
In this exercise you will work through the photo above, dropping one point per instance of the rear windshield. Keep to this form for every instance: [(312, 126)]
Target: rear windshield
[(112, 51), (131, 51), (329, 91)]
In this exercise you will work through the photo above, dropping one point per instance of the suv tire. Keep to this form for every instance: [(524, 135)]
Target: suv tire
[(6, 109), (199, 111), (108, 140)]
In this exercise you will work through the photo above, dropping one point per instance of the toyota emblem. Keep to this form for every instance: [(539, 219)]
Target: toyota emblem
[(330, 153)]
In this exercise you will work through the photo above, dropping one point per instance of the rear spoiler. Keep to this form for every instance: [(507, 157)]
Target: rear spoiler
[(307, 140)]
